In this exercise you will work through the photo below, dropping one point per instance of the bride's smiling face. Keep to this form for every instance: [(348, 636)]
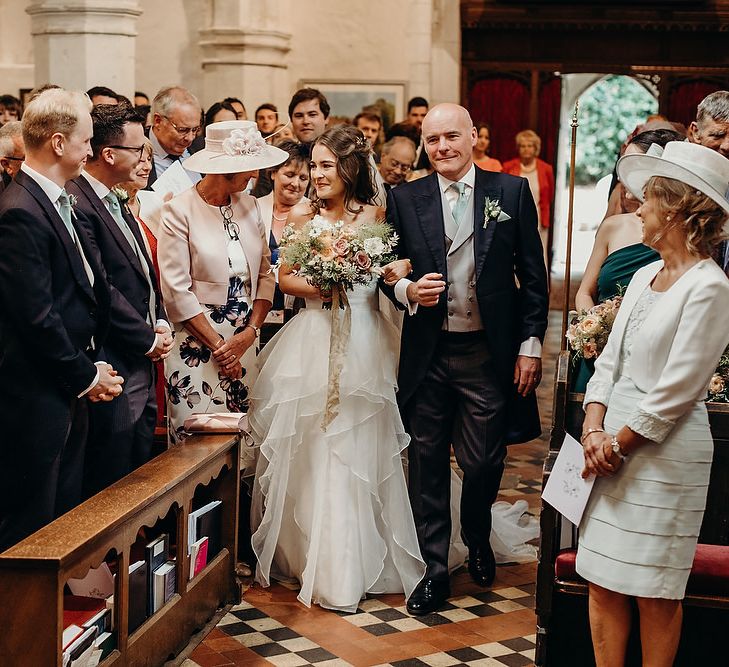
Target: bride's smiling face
[(324, 174)]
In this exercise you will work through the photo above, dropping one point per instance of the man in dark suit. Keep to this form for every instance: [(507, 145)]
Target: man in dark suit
[(122, 432), (477, 309), (54, 315)]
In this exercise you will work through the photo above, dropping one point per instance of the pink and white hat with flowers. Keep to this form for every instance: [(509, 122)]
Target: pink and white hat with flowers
[(234, 146)]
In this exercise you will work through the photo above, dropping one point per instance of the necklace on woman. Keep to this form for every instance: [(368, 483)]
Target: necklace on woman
[(226, 210), (275, 217)]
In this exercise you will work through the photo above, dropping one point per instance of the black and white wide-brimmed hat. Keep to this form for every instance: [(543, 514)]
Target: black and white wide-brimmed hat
[(695, 165), (234, 146)]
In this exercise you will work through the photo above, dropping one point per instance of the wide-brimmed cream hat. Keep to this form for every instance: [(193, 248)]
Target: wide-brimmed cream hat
[(233, 146), (692, 164)]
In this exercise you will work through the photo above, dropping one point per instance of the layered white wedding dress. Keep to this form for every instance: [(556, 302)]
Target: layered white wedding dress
[(330, 507)]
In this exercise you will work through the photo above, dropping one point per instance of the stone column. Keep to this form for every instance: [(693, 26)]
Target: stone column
[(445, 74), (85, 43), (245, 53), (419, 32)]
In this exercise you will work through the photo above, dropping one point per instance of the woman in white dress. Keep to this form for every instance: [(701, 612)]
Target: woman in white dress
[(646, 432), (330, 507)]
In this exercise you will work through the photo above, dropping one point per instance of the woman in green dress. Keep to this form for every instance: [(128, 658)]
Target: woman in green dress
[(618, 252)]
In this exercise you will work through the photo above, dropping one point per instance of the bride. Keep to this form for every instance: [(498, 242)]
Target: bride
[(330, 507)]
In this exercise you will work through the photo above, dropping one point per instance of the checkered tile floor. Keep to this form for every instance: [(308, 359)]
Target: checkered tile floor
[(513, 652), (379, 619), (272, 640)]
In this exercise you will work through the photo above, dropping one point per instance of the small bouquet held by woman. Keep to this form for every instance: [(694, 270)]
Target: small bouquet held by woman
[(588, 331), (334, 257)]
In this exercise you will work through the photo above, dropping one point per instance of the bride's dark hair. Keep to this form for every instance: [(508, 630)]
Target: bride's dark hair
[(353, 166)]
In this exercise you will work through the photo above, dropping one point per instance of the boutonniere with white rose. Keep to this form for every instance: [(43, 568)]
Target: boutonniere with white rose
[(72, 200), (121, 194), (492, 212)]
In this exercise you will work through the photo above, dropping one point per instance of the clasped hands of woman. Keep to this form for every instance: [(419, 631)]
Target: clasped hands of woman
[(229, 352), (600, 459)]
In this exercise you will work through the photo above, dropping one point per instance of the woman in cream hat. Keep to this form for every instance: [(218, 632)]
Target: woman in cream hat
[(646, 432), (215, 275)]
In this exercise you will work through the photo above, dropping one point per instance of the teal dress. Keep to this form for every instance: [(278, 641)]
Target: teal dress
[(615, 274)]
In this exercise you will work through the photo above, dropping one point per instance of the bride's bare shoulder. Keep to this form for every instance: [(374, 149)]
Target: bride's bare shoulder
[(301, 214), (372, 213)]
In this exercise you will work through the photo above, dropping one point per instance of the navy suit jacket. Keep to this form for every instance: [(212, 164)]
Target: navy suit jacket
[(123, 269), (48, 309), (511, 279)]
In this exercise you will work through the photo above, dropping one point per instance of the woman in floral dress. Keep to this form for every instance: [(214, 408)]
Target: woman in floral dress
[(215, 273)]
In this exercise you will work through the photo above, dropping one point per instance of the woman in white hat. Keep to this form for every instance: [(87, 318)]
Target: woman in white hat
[(215, 274), (646, 432)]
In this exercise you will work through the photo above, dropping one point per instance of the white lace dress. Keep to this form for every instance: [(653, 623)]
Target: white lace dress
[(639, 531)]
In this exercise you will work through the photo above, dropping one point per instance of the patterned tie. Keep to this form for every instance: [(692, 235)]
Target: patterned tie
[(115, 210), (460, 205), (66, 212)]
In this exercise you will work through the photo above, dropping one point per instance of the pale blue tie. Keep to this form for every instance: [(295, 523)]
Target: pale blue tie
[(65, 211), (460, 204), (115, 210)]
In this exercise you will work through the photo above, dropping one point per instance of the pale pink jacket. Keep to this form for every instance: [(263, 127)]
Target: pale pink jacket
[(193, 257)]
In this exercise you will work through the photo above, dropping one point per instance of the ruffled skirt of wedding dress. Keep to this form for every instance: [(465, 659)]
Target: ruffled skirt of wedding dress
[(330, 508)]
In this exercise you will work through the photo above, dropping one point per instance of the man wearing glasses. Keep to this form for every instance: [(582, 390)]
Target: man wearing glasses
[(398, 155), (12, 152), (175, 123), (121, 432)]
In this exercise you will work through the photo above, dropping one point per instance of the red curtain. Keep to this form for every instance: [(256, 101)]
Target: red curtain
[(550, 97), (684, 98), (503, 103)]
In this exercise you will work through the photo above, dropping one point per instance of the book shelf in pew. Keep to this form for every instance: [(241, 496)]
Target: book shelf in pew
[(129, 590)]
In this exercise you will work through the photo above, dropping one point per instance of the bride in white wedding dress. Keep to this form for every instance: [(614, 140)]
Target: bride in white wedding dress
[(330, 507)]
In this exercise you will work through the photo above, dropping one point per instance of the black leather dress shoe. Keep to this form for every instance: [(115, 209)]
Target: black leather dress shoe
[(429, 596), (482, 565)]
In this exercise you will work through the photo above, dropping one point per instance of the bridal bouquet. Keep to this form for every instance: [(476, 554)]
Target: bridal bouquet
[(588, 331), (334, 256), (719, 385)]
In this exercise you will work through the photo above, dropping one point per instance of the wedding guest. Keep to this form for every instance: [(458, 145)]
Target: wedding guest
[(266, 118), (398, 155), (370, 124), (238, 107), (617, 253), (646, 432), (217, 308), (10, 109), (12, 152), (417, 109), (540, 176), (283, 132), (309, 114), (55, 310), (175, 123), (141, 99), (121, 433), (149, 236), (481, 149), (220, 111), (290, 182), (337, 518), (102, 95), (711, 127)]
